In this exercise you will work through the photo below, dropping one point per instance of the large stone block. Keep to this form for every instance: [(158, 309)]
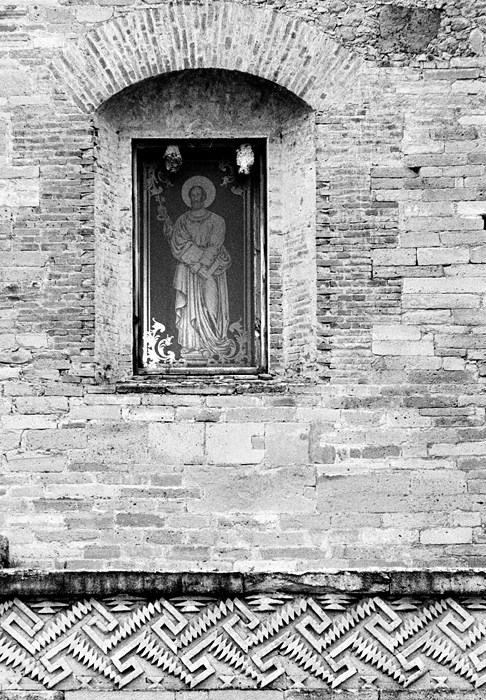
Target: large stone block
[(403, 347), (61, 439), (93, 14), (30, 462), (442, 256), (444, 286), (178, 443), (42, 404), (441, 301), (114, 442), (251, 489), (445, 536), (150, 413), (370, 492), (16, 421), (235, 443), (387, 256), (286, 443), (320, 451), (396, 331), (104, 412)]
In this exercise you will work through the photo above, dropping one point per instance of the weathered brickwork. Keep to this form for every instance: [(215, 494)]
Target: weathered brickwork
[(400, 32), (365, 447)]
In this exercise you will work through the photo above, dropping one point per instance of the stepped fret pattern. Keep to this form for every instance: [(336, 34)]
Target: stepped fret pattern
[(336, 642)]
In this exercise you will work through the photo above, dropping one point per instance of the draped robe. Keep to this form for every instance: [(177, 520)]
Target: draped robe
[(201, 305)]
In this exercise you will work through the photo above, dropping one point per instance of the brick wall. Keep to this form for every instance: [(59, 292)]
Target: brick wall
[(367, 448)]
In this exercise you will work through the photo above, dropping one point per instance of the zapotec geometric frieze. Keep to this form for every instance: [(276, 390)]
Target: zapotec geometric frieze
[(263, 641)]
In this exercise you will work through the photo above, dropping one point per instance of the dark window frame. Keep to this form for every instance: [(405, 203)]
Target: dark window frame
[(255, 225)]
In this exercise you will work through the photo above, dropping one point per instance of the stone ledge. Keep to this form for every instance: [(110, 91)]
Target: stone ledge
[(202, 386), (22, 582), (365, 693)]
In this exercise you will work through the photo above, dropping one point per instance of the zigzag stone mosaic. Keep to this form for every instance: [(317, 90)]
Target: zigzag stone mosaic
[(262, 641)]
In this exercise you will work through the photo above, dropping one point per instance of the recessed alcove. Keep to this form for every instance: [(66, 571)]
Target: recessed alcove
[(209, 104)]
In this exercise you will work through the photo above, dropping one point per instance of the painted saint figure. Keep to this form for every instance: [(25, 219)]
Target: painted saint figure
[(201, 304)]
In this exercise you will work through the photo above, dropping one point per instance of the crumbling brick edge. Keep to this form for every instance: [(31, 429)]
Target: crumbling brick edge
[(27, 583), (4, 552)]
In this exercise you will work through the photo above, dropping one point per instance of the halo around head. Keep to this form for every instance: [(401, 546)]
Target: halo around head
[(199, 181)]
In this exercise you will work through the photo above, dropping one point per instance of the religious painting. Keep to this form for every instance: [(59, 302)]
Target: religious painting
[(200, 269)]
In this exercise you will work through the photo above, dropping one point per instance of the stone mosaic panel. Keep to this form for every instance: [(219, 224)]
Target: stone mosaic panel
[(336, 642)]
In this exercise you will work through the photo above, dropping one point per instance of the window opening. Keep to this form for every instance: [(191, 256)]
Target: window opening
[(200, 303)]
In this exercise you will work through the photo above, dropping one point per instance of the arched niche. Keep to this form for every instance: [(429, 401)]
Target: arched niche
[(209, 103)]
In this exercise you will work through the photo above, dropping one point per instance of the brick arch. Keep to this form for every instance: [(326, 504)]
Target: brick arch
[(227, 35)]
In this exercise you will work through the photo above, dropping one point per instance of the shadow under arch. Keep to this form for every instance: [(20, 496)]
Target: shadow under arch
[(218, 98), (220, 104)]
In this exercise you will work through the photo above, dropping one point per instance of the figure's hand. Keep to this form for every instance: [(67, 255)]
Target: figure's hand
[(204, 273), (195, 268)]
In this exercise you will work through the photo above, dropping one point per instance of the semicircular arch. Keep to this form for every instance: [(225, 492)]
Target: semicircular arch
[(145, 43)]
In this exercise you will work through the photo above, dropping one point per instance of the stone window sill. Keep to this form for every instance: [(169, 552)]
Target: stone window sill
[(202, 385)]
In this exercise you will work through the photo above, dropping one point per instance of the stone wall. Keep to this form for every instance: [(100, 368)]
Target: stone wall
[(370, 452)]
